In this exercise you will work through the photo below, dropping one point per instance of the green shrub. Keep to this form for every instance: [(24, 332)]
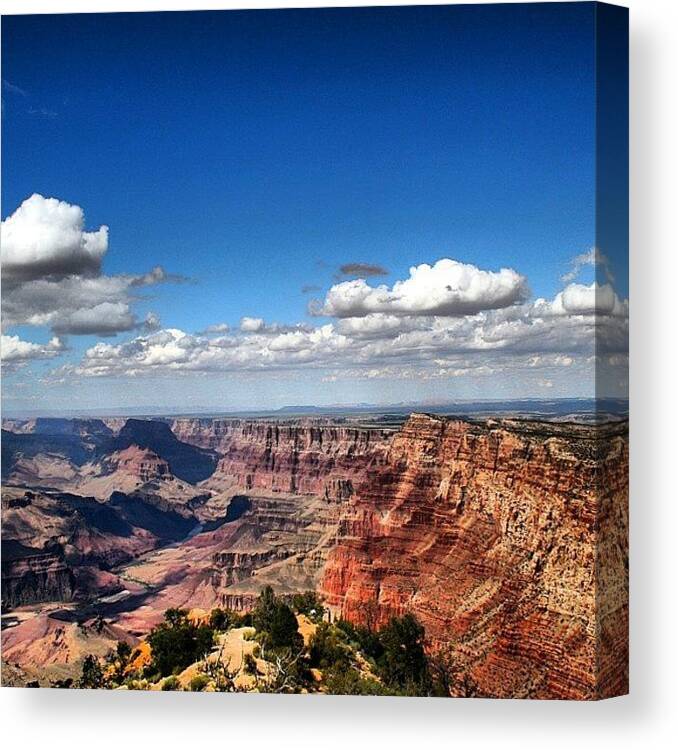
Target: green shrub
[(275, 622), (177, 642), (328, 647), (123, 651), (171, 683), (341, 681), (224, 619), (309, 604), (199, 683), (403, 664), (366, 639)]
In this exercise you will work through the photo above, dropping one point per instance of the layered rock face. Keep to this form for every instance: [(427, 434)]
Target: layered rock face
[(282, 541), (308, 458), (34, 575), (55, 545), (186, 461), (492, 534), (140, 464)]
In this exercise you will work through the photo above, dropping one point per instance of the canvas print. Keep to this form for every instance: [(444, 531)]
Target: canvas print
[(315, 351)]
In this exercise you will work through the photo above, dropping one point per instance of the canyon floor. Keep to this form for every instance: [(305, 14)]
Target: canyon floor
[(506, 536)]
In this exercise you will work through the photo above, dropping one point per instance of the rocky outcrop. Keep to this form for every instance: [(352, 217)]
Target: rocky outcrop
[(140, 463), (187, 462), (500, 537), (70, 442), (306, 458), (41, 530), (132, 469), (33, 575), (281, 540)]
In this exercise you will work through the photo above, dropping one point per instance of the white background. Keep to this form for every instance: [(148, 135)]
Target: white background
[(645, 719)]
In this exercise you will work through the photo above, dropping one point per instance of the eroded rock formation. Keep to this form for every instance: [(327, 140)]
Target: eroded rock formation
[(301, 458), (34, 575), (508, 539), (491, 534)]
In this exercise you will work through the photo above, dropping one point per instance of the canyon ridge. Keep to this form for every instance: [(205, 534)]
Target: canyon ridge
[(505, 536)]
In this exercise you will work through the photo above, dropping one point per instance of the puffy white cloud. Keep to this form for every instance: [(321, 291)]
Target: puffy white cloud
[(596, 299), (151, 322), (580, 325), (251, 324), (107, 318), (259, 325), (15, 350), (51, 273), (74, 304), (46, 237), (540, 336), (380, 326), (447, 288)]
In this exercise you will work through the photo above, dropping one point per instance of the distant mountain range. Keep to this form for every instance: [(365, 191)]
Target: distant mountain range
[(528, 406)]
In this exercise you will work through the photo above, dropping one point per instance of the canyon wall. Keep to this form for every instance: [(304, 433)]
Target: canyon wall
[(34, 575), (508, 539), (492, 535), (304, 458)]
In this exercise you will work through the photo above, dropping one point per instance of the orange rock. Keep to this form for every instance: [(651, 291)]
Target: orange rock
[(508, 540), (139, 658)]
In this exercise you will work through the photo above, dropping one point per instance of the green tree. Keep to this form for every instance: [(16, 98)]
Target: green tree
[(123, 651), (365, 638), (177, 642), (275, 621), (262, 614), (328, 647), (223, 619), (309, 604), (283, 628), (403, 663), (92, 675)]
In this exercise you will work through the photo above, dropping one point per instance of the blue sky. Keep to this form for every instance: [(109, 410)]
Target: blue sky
[(257, 152)]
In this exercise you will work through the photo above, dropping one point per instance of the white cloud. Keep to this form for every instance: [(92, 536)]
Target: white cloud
[(46, 237), (51, 274), (591, 258), (217, 328), (107, 318), (259, 325), (596, 299), (448, 288), (379, 326), (151, 322), (251, 325), (541, 339), (540, 336), (15, 350)]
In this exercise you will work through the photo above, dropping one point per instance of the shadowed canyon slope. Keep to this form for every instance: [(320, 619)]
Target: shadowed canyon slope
[(506, 538)]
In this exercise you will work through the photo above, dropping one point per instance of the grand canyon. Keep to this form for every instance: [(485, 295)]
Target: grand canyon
[(504, 535)]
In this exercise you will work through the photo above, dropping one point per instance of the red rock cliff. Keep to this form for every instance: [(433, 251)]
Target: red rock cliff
[(508, 540), (304, 458)]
